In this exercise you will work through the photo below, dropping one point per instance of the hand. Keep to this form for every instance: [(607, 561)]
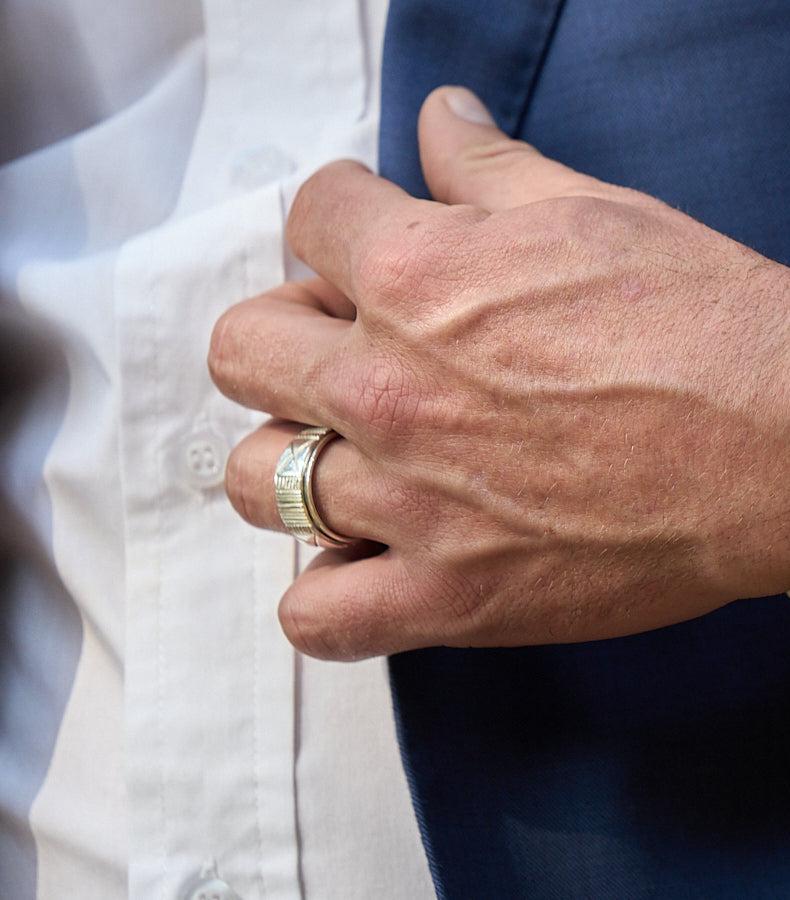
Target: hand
[(565, 405)]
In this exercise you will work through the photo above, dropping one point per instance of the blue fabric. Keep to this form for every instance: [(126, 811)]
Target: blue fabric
[(656, 765)]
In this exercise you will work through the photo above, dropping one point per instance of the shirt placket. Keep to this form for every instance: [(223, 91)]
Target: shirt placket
[(210, 692), (209, 676)]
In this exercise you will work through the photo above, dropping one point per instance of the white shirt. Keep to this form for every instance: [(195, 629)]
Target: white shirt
[(157, 730)]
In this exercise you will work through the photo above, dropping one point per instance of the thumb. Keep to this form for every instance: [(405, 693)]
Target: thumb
[(467, 159)]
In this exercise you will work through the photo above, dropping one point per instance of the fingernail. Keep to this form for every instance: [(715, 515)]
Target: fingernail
[(467, 106)]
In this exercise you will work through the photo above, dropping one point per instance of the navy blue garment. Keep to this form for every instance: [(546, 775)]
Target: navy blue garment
[(656, 765)]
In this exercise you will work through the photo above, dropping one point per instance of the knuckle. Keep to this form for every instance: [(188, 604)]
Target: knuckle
[(454, 600), (301, 212), (311, 198), (301, 630), (220, 354), (394, 269), (582, 211), (333, 636), (383, 397), (590, 227), (237, 483), (422, 261), (597, 219), (412, 502)]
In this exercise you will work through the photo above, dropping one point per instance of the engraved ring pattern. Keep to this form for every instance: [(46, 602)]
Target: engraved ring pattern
[(293, 489)]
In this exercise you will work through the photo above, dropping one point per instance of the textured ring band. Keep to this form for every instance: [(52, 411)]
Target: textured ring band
[(293, 489)]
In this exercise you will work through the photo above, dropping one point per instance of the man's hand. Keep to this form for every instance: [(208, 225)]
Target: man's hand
[(565, 404)]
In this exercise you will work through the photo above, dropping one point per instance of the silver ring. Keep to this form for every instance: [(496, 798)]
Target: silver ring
[(293, 490)]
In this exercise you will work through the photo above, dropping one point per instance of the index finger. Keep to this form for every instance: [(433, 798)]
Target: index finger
[(342, 213)]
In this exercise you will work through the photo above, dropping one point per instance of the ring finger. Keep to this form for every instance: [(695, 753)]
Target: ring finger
[(346, 488)]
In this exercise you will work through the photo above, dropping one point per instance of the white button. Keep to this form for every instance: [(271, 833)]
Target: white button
[(209, 886), (204, 456)]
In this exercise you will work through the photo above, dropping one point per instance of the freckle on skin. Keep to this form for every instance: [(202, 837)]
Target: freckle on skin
[(412, 225)]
